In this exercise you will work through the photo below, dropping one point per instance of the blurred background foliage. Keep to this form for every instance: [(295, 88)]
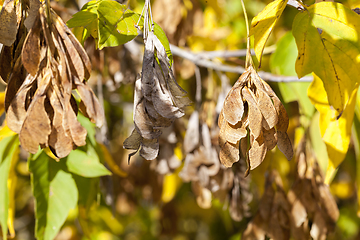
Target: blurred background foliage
[(148, 200)]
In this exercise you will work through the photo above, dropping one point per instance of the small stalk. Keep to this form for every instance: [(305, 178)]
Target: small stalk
[(248, 61)]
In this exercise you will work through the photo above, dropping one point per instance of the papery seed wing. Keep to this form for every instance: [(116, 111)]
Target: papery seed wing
[(15, 81), (93, 108), (36, 127), (60, 142), (78, 133), (8, 23), (257, 151), (143, 123), (192, 135), (16, 112), (74, 59), (284, 144), (148, 69), (233, 106), (267, 109), (32, 14), (83, 55), (157, 120), (133, 141), (270, 138), (229, 153), (149, 148), (255, 117), (162, 99), (31, 49), (233, 133)]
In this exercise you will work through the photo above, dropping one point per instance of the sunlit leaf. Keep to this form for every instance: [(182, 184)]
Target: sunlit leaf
[(263, 24), (282, 62), (86, 164), (9, 148), (327, 36), (335, 130), (55, 193)]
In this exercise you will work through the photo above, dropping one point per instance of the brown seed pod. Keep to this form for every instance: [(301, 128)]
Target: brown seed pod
[(42, 109), (254, 115)]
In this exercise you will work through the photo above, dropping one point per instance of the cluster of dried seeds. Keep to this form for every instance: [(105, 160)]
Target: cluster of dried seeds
[(252, 122), (307, 211), (40, 106), (158, 100)]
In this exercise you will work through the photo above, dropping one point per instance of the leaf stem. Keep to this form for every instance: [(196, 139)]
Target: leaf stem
[(248, 54)]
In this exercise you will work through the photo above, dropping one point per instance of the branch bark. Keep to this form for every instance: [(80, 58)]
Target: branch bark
[(201, 61)]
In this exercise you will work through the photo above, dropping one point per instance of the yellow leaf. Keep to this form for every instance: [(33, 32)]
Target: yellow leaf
[(327, 36), (263, 24), (12, 179), (5, 131), (171, 183), (335, 130), (110, 162), (2, 102), (51, 154)]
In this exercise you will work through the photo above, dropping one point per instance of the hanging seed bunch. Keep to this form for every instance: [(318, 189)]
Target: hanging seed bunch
[(311, 200), (43, 110), (158, 99), (252, 122), (273, 216)]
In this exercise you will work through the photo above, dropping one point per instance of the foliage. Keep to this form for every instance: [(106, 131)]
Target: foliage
[(177, 152)]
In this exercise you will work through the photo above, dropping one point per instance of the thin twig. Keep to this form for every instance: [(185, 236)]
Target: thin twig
[(201, 62)]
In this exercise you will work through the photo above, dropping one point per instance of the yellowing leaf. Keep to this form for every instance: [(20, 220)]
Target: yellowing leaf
[(263, 24), (335, 130), (12, 179), (327, 36), (170, 186), (5, 131), (110, 161), (2, 102)]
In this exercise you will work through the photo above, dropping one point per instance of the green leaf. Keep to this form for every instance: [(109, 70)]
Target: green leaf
[(112, 24), (55, 193), (86, 164), (327, 36), (8, 147), (263, 24), (116, 24), (282, 62)]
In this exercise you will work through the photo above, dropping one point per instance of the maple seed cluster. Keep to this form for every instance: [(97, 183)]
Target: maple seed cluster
[(158, 100), (41, 107), (252, 121)]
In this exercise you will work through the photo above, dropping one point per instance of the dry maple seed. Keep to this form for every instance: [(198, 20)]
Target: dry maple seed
[(252, 122), (41, 108)]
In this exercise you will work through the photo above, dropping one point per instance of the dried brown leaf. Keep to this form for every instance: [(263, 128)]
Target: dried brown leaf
[(318, 228), (148, 70), (233, 134), (8, 23)]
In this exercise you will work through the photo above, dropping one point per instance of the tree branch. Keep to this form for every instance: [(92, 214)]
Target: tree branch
[(199, 60)]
